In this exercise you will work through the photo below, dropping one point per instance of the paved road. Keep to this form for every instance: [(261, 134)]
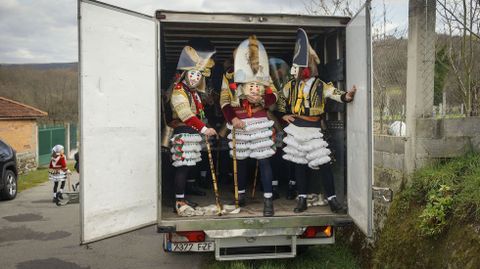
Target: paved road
[(35, 233)]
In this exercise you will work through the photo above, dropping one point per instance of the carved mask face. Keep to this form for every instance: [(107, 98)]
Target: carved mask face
[(295, 70), (193, 78), (252, 88)]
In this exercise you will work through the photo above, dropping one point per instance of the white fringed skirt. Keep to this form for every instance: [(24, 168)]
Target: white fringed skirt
[(253, 141), (186, 149), (305, 145), (57, 175)]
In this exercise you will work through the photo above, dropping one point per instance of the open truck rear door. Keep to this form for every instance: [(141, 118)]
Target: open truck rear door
[(359, 121), (118, 119)]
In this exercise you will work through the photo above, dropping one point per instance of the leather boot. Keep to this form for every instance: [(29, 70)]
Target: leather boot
[(291, 192), (301, 205), (193, 189), (335, 206), (275, 193), (241, 200), (268, 207)]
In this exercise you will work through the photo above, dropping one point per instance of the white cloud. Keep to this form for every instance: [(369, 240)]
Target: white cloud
[(36, 31)]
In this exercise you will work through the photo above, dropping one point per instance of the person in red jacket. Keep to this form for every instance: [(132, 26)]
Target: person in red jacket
[(189, 118), (244, 103), (57, 171)]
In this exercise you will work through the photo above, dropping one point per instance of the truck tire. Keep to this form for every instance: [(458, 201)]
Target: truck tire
[(9, 191)]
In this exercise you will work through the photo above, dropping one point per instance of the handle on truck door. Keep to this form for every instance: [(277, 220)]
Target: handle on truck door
[(236, 257)]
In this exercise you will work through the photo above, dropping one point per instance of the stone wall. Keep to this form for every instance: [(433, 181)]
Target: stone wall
[(26, 162), (446, 138), (436, 139)]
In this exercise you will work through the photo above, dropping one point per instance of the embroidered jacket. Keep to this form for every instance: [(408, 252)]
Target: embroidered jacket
[(187, 107), (307, 98)]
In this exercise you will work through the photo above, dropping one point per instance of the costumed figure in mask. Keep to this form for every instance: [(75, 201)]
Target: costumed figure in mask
[(188, 118), (244, 103), (305, 97), (57, 171)]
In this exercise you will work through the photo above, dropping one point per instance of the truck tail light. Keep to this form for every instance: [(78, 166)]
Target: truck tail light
[(317, 231), (190, 236)]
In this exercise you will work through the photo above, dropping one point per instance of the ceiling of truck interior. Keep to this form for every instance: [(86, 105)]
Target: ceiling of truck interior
[(278, 40)]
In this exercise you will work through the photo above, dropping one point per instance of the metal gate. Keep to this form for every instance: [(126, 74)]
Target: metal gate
[(48, 137), (73, 136)]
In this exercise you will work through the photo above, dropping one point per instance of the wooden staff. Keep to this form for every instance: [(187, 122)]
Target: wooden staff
[(235, 174), (214, 178), (255, 180), (68, 182), (217, 167)]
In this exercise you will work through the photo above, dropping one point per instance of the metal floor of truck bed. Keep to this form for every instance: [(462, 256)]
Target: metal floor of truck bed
[(253, 208)]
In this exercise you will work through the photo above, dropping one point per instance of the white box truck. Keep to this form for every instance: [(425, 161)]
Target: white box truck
[(125, 60)]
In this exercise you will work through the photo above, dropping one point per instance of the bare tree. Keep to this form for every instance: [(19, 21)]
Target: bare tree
[(461, 21), (332, 7)]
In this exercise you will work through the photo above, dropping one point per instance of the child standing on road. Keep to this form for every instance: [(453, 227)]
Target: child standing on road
[(58, 171)]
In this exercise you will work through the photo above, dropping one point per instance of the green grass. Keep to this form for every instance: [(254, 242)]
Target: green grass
[(328, 256), (422, 231), (35, 178)]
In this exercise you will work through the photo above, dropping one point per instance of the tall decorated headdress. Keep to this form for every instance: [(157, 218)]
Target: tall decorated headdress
[(304, 55), (197, 55), (251, 62), (191, 59)]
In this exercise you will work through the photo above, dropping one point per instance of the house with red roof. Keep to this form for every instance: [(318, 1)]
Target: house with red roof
[(19, 129)]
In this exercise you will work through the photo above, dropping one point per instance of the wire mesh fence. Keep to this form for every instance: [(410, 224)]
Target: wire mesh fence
[(390, 80)]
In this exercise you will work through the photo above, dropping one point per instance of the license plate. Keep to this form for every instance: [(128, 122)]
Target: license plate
[(191, 247)]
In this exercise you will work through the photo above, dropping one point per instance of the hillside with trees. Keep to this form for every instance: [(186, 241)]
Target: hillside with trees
[(49, 87)]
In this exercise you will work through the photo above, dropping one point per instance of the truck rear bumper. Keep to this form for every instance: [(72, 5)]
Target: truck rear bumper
[(249, 247)]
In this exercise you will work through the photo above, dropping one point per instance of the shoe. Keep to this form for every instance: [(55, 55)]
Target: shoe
[(291, 192), (60, 196), (336, 207), (192, 189), (55, 200), (301, 205), (268, 207), (275, 193)]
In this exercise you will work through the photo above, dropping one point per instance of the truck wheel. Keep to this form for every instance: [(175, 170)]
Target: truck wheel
[(9, 191)]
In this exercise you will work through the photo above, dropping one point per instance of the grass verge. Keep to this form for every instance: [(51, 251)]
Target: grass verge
[(328, 256), (434, 222), (35, 178)]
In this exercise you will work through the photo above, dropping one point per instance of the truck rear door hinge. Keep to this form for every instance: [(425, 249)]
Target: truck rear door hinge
[(382, 194)]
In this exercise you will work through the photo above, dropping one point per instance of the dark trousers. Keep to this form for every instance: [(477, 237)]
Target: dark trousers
[(266, 175), (327, 178), (180, 179), (55, 186)]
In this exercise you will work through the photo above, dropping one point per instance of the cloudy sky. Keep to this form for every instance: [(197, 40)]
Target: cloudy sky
[(45, 31)]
